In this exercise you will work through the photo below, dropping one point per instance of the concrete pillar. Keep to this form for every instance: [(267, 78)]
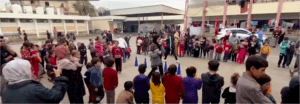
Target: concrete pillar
[(139, 22), (77, 33), (19, 24), (65, 28), (162, 21), (36, 28), (87, 27), (51, 27)]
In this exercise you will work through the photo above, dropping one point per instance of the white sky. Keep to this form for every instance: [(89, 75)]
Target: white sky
[(118, 4)]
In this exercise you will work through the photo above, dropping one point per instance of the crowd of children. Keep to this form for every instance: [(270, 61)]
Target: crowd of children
[(165, 87), (71, 58)]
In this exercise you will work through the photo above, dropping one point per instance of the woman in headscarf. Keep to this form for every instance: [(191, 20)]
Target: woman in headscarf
[(22, 89), (69, 69), (156, 51)]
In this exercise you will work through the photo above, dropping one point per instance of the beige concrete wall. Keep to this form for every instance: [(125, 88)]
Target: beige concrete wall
[(258, 8), (100, 24)]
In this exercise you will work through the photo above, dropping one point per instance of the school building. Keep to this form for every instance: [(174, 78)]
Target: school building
[(144, 18), (263, 11), (37, 19)]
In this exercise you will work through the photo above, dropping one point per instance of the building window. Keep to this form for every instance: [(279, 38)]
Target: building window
[(56, 21), (42, 21), (80, 21), (26, 20), (69, 21), (7, 20), (47, 4)]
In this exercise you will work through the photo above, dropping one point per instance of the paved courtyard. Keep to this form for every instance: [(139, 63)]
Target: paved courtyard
[(280, 77)]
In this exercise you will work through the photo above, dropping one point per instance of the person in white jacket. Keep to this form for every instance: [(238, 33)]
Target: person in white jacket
[(123, 45)]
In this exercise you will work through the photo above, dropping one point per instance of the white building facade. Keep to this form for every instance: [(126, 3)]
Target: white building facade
[(40, 21)]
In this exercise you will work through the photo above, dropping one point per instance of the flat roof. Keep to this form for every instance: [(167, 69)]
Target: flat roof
[(39, 16), (152, 10)]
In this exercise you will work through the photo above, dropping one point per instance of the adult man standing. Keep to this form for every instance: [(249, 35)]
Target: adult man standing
[(247, 89), (276, 35), (170, 46), (109, 37), (6, 55), (123, 45), (233, 39)]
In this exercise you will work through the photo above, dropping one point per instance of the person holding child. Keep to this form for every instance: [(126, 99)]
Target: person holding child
[(68, 66), (247, 88)]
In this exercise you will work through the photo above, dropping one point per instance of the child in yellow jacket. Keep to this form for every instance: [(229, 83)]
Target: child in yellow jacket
[(265, 50), (157, 89)]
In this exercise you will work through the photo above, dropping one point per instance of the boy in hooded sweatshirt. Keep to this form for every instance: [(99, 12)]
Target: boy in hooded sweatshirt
[(212, 83)]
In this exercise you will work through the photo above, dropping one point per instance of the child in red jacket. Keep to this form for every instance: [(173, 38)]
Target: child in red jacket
[(219, 51), (117, 53), (35, 61), (227, 49), (110, 80)]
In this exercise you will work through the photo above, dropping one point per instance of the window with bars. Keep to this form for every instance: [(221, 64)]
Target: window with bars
[(69, 21), (42, 21), (80, 21), (26, 20), (7, 20), (56, 21)]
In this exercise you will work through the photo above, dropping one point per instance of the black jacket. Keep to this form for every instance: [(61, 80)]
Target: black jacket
[(211, 89), (109, 37), (170, 41), (291, 94), (290, 50), (4, 54), (34, 92)]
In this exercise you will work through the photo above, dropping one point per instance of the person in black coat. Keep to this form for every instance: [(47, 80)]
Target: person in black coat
[(48, 35), (22, 89), (290, 94), (170, 46), (253, 46)]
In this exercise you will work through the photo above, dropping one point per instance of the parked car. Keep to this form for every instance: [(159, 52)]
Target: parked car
[(240, 32)]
